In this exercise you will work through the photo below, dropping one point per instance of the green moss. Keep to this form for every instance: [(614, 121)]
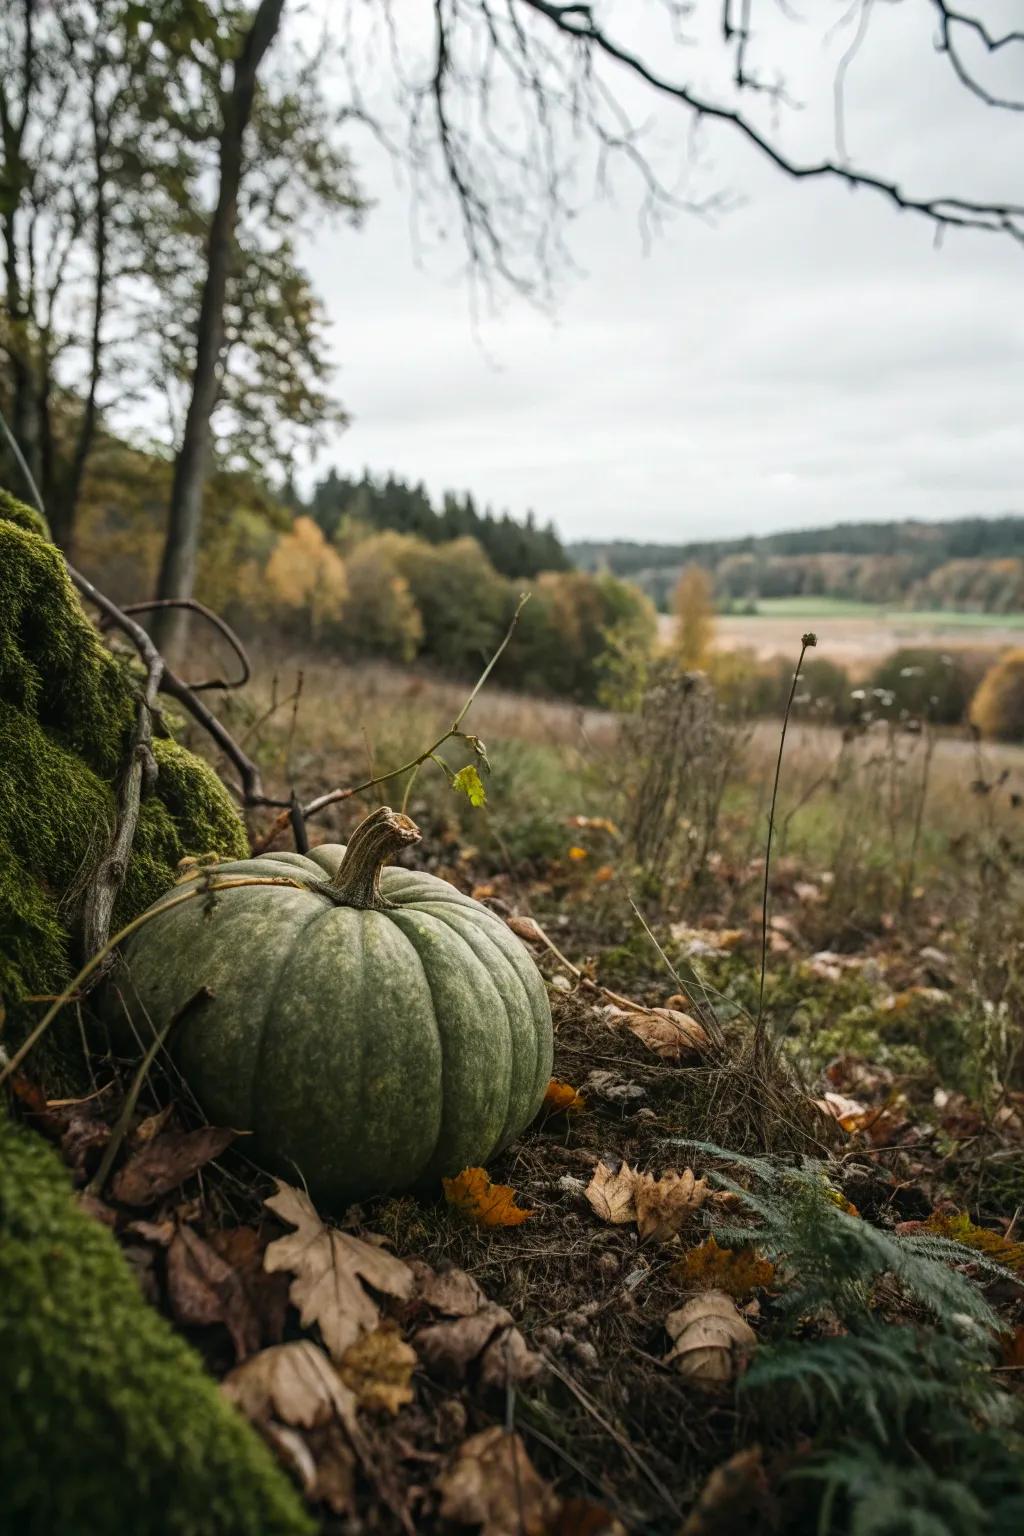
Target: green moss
[(67, 707), (108, 1422)]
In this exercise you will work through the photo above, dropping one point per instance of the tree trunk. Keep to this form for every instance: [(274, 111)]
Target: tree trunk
[(181, 546), (68, 495)]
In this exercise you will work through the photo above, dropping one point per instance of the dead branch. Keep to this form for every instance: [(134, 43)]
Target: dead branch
[(140, 776), (219, 624)]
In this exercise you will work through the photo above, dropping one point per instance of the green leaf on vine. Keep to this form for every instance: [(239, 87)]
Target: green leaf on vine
[(469, 783)]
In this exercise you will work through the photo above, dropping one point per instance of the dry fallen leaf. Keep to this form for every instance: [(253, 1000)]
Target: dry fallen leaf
[(708, 1335), (450, 1349), (665, 1205), (491, 1484), (668, 1033), (489, 1205), (705, 941), (509, 1361), (243, 1248), (291, 1387), (610, 1192), (733, 1493), (295, 1383), (166, 1161), (379, 1370), (203, 1289), (660, 1207), (737, 1271), (526, 928), (562, 1098), (328, 1268), (450, 1290)]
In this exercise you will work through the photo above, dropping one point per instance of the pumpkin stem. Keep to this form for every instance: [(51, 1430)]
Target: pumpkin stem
[(383, 833)]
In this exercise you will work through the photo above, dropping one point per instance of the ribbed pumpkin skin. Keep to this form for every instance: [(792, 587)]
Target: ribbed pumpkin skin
[(367, 1051)]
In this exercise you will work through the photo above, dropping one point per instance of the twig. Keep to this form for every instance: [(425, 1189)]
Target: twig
[(110, 1151), (219, 624), (109, 875), (335, 796), (806, 642), (624, 1443), (250, 790), (585, 981)]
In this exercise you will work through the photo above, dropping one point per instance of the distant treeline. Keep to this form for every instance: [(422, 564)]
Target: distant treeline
[(392, 505), (974, 564)]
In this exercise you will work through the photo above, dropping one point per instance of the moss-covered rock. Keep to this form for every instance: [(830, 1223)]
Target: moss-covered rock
[(67, 707), (108, 1422)]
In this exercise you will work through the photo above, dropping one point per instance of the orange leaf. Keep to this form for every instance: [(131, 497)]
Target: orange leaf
[(604, 874), (737, 1271), (578, 853), (489, 1205), (561, 1098)]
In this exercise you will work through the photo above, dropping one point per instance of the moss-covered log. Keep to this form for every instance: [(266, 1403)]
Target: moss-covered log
[(108, 1422), (67, 709)]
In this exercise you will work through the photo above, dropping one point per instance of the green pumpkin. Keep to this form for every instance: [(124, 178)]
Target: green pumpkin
[(373, 1028)]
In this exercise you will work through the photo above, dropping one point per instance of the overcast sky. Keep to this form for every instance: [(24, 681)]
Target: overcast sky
[(807, 357)]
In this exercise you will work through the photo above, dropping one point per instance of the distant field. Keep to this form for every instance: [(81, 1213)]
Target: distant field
[(858, 634), (842, 608)]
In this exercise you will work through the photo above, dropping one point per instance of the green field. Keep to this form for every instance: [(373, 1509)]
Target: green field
[(843, 608)]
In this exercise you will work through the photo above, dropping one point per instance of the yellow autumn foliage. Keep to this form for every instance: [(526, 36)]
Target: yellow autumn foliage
[(306, 575)]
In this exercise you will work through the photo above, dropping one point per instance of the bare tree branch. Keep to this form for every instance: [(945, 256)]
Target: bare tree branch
[(948, 19), (579, 24)]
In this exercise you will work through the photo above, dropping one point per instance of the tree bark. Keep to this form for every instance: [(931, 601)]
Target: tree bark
[(181, 545), (23, 414), (68, 495)]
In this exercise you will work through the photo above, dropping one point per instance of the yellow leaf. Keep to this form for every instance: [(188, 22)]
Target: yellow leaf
[(737, 1271), (379, 1370), (576, 853), (562, 1098), (469, 783), (489, 1205)]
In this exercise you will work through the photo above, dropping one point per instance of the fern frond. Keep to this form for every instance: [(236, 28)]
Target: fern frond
[(833, 1259)]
